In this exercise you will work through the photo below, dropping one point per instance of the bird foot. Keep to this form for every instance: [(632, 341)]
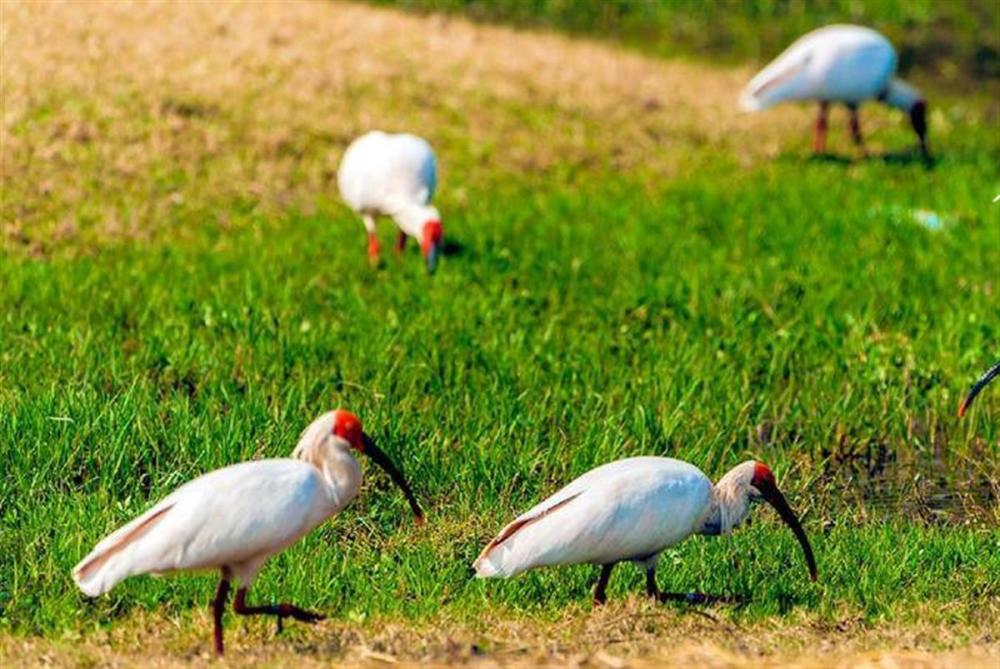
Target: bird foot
[(302, 615), (698, 598)]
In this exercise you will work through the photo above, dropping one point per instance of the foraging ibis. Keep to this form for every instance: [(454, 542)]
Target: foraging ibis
[(630, 511), (977, 387), (838, 64), (233, 519), (393, 175)]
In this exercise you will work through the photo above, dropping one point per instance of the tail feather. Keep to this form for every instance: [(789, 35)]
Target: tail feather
[(778, 82), (497, 559), (108, 563), (486, 568)]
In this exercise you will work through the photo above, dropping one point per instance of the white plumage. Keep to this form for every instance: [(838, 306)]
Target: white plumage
[(393, 175), (837, 64), (234, 518), (630, 510), (606, 515)]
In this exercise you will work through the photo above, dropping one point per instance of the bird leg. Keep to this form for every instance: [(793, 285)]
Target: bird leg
[(218, 607), (401, 242), (819, 138), (687, 597), (373, 247), (280, 611), (602, 583), (856, 129)]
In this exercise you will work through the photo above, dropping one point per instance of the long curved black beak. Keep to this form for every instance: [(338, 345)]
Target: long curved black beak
[(770, 492), (977, 387), (432, 257), (383, 461)]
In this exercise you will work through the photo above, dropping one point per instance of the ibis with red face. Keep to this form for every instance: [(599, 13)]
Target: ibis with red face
[(233, 519), (631, 510), (394, 175)]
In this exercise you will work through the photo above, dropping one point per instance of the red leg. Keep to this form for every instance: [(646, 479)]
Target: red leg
[(401, 242), (281, 611), (218, 607), (819, 138), (373, 249)]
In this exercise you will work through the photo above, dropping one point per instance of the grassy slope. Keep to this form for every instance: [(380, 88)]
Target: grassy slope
[(631, 279), (952, 41)]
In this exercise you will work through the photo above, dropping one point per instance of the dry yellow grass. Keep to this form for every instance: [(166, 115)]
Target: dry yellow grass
[(119, 118), (628, 633)]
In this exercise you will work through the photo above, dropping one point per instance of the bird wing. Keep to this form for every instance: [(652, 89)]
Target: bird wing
[(838, 63), (384, 173), (782, 79), (627, 509), (225, 517)]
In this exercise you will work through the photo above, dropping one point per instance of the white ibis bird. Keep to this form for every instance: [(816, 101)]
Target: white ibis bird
[(977, 387), (394, 175), (837, 64), (630, 511), (233, 519)]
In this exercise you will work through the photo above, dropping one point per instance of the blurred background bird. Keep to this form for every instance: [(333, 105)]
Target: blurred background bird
[(393, 175), (841, 64)]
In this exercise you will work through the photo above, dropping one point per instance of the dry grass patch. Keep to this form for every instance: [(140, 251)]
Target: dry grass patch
[(628, 633), (120, 119)]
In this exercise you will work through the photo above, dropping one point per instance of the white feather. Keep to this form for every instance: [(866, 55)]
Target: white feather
[(626, 510), (395, 175), (839, 63)]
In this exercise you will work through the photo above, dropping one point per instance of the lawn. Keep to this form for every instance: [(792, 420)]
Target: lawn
[(634, 269)]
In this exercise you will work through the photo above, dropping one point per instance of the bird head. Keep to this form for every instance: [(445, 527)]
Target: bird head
[(901, 95), (764, 487), (339, 432), (347, 429), (753, 481), (430, 241)]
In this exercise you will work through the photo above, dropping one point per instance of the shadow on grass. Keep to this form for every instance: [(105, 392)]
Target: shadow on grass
[(903, 157), (451, 247)]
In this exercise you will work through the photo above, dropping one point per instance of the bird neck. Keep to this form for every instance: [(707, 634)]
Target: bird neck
[(730, 503), (339, 469), (901, 95), (411, 218), (343, 474)]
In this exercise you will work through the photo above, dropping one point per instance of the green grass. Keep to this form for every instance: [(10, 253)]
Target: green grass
[(957, 41), (585, 319)]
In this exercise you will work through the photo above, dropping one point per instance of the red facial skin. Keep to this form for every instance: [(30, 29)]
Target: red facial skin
[(348, 428), (433, 233), (762, 474)]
